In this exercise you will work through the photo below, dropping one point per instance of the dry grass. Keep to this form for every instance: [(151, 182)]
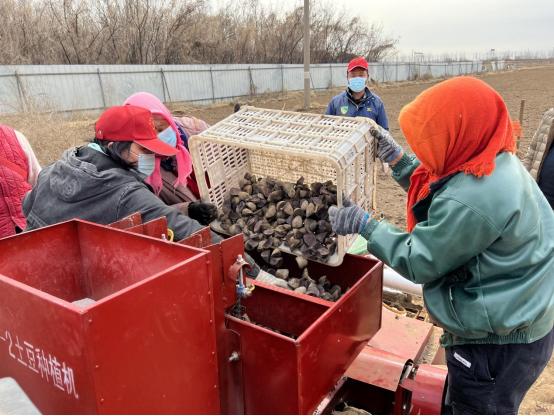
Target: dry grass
[(50, 134)]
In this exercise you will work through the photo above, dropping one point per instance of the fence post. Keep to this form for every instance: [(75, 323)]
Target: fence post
[(101, 88), (396, 70), (384, 77), (21, 93), (282, 79), (212, 81), (521, 110), (162, 79), (252, 86), (167, 87), (331, 74)]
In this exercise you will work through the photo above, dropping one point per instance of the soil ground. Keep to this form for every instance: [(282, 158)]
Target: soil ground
[(50, 134)]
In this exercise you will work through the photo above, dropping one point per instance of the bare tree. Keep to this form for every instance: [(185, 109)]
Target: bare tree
[(177, 32)]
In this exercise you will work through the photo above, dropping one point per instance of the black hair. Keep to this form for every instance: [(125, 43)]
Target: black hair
[(115, 151)]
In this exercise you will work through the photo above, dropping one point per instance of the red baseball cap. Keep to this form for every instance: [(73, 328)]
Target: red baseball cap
[(131, 124), (358, 62)]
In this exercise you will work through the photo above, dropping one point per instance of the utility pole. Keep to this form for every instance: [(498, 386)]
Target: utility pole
[(306, 54)]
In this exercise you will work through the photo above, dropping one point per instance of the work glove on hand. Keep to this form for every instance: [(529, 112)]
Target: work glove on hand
[(387, 148), (348, 220), (202, 212)]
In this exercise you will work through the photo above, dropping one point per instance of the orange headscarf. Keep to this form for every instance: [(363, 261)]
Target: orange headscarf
[(458, 125)]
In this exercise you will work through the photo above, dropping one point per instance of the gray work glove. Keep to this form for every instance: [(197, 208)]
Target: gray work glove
[(387, 148), (348, 220)]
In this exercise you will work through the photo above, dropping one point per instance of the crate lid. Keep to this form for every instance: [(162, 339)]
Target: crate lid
[(331, 137)]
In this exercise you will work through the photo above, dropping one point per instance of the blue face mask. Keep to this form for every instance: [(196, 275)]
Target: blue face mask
[(146, 163), (168, 136), (357, 84)]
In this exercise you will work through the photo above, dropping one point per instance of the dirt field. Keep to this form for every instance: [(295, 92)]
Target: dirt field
[(50, 134)]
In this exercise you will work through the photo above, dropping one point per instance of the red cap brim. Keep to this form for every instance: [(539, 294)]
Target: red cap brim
[(158, 147), (356, 67)]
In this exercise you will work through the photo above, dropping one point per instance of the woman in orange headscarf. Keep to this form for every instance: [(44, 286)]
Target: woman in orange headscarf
[(480, 238)]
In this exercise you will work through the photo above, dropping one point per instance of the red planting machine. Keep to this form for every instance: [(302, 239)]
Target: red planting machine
[(98, 319)]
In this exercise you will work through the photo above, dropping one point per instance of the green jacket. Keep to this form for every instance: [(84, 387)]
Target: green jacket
[(483, 249)]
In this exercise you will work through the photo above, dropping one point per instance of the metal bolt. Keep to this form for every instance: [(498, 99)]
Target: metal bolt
[(234, 357), (97, 366)]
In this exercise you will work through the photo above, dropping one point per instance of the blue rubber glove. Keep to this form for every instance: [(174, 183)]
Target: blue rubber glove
[(348, 220), (387, 148)]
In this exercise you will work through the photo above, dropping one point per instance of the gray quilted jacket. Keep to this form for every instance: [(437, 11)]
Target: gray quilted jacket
[(540, 145)]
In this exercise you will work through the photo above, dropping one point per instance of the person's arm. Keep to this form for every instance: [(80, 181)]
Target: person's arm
[(32, 161), (138, 198), (451, 236), (402, 170), (403, 165)]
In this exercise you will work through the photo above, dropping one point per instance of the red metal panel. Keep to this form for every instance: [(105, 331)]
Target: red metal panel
[(113, 259), (42, 347), (292, 373), (226, 251), (231, 377), (156, 228), (382, 361), (200, 238), (127, 222), (131, 350), (377, 367), (23, 252), (403, 336), (194, 240), (269, 370), (136, 229), (223, 255), (428, 389), (330, 345), (164, 326)]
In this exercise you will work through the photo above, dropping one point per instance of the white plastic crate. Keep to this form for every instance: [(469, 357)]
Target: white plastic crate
[(286, 145)]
